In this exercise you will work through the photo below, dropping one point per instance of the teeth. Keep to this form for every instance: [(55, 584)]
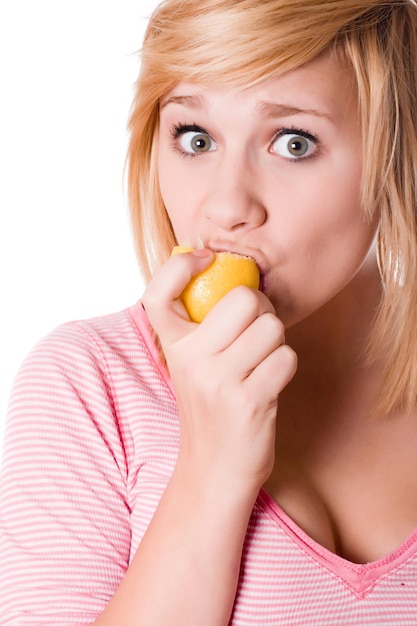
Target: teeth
[(199, 244)]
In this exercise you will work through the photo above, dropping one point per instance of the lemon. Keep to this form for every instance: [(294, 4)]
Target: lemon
[(227, 271)]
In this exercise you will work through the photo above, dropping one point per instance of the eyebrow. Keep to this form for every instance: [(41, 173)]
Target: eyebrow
[(271, 110), (268, 110), (192, 102)]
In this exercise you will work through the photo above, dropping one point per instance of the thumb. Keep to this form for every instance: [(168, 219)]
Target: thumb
[(165, 311)]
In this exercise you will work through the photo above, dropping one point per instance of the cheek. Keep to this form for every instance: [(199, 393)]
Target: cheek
[(332, 259), (322, 248), (166, 178), (182, 185), (340, 238), (173, 192), (337, 216)]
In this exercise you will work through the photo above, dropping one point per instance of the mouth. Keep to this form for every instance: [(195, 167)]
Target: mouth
[(262, 282), (256, 256)]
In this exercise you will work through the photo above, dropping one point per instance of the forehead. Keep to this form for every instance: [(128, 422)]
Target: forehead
[(324, 87)]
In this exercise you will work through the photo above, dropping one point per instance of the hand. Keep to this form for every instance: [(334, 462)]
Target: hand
[(227, 373)]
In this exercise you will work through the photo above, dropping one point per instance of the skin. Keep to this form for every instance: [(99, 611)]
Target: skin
[(270, 388), (299, 217)]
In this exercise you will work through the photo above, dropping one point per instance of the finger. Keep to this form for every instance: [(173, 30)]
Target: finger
[(232, 315), (161, 298), (259, 340), (273, 373)]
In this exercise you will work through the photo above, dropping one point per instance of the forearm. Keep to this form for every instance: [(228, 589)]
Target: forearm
[(187, 567)]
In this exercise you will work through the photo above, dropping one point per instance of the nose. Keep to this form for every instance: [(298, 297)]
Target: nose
[(233, 198)]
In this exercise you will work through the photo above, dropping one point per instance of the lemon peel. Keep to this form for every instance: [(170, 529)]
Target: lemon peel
[(228, 270)]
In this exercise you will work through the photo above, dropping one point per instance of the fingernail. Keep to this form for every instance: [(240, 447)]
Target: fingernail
[(203, 252)]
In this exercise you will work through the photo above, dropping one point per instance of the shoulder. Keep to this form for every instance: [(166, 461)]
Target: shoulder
[(110, 358), (94, 335), (88, 380), (101, 343)]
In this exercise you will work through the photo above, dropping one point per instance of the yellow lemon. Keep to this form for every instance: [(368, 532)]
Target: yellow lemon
[(227, 271)]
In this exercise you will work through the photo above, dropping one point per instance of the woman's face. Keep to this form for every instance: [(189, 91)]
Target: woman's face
[(273, 172)]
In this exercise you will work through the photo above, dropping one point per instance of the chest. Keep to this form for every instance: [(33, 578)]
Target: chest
[(354, 492), (288, 578)]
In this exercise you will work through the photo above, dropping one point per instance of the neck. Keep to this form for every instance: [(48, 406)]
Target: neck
[(331, 345)]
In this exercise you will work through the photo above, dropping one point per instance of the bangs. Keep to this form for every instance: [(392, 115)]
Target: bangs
[(239, 43)]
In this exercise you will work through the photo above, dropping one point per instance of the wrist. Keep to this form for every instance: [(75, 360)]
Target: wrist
[(214, 487)]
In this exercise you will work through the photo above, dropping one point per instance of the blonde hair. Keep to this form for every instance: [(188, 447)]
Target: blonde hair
[(243, 42)]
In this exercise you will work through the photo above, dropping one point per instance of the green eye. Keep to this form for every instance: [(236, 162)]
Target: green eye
[(193, 142), (293, 145), (298, 146)]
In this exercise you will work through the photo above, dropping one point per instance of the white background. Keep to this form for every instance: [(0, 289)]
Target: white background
[(66, 252)]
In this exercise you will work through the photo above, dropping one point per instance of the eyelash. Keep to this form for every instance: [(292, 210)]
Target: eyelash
[(293, 130), (180, 129)]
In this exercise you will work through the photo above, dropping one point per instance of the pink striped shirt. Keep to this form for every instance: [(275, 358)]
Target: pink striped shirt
[(91, 441)]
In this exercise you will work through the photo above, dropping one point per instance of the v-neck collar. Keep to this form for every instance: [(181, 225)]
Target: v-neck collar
[(359, 577)]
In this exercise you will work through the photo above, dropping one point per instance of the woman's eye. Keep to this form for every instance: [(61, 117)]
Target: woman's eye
[(196, 142), (291, 144)]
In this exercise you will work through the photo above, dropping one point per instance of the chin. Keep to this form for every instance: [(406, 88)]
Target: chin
[(290, 316)]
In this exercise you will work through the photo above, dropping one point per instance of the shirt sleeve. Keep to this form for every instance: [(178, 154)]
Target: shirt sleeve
[(64, 511)]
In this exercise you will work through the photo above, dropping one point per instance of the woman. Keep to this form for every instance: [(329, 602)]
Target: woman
[(257, 468)]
